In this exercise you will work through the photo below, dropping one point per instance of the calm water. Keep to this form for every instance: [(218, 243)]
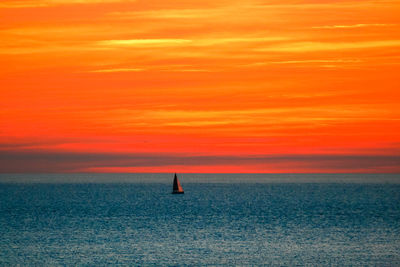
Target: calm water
[(220, 220)]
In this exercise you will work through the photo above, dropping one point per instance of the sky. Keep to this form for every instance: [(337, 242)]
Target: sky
[(221, 86)]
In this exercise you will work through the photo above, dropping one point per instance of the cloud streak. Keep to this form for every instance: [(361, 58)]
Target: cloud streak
[(144, 42), (165, 42), (49, 3), (359, 25), (118, 70), (301, 47)]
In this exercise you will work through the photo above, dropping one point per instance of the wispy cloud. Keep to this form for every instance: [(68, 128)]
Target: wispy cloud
[(188, 70), (187, 42), (217, 41), (144, 42), (327, 46), (277, 118), (303, 62), (47, 3), (360, 25), (49, 48), (161, 68), (169, 13), (317, 61), (119, 70)]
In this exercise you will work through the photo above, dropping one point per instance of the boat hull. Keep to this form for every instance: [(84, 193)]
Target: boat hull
[(178, 192)]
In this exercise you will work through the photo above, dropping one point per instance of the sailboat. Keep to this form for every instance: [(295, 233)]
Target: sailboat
[(177, 188)]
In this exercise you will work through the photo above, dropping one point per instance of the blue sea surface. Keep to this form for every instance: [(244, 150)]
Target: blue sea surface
[(235, 219)]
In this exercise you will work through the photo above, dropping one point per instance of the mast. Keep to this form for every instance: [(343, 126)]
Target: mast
[(177, 188)]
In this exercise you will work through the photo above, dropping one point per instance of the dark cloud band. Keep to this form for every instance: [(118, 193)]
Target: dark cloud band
[(23, 161)]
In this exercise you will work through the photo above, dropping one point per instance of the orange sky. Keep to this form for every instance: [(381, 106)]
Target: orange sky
[(199, 86)]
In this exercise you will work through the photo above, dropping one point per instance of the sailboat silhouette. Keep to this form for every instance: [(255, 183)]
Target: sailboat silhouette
[(177, 188)]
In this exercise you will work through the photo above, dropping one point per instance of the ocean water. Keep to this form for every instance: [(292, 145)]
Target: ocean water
[(235, 219)]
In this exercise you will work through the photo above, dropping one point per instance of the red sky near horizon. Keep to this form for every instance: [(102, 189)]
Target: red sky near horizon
[(199, 86)]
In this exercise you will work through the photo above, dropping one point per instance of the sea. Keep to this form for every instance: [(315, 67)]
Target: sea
[(221, 220)]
